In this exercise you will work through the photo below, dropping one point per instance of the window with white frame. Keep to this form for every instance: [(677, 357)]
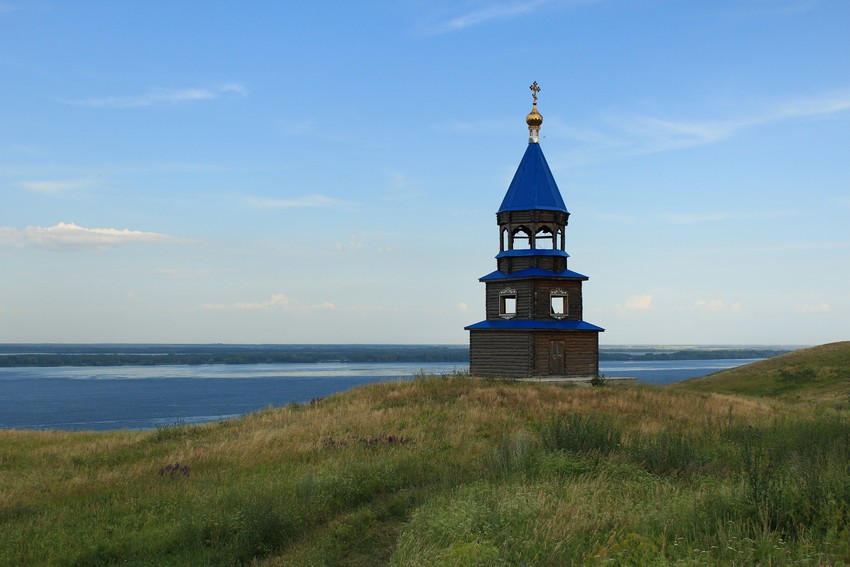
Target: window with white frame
[(559, 307), (507, 303)]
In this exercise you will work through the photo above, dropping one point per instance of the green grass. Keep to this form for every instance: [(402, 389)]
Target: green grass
[(450, 471), (818, 374)]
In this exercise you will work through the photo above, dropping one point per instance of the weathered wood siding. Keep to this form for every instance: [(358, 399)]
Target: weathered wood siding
[(524, 298), (526, 353), (533, 297), (581, 352), (533, 217), (501, 353), (513, 264), (542, 291)]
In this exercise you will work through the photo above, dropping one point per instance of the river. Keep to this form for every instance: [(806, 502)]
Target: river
[(145, 397)]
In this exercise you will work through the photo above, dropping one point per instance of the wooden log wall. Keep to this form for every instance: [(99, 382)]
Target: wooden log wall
[(501, 353), (513, 264), (533, 297), (524, 298), (542, 293), (533, 217)]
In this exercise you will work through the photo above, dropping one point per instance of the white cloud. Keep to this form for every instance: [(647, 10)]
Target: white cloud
[(355, 242), (818, 308), (660, 133), (689, 218), (305, 126), (44, 186), (641, 134), (233, 88), (309, 201), (182, 272), (616, 218), (829, 103), (359, 241), (401, 187), (490, 11), (717, 306), (463, 307), (638, 303), (161, 96), (69, 236), (276, 302), (777, 248), (9, 236), (309, 128)]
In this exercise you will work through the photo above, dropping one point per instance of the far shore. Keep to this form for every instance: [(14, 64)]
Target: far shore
[(53, 355)]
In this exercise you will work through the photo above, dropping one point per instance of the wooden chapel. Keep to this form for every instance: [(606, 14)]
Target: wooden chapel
[(534, 324)]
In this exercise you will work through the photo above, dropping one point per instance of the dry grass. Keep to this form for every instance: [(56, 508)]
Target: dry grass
[(398, 471)]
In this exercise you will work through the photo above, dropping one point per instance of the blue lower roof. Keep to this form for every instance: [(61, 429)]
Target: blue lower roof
[(533, 324), (533, 273)]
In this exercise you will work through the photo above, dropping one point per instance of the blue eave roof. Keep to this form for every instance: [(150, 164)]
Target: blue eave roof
[(533, 186), (532, 324), (533, 273)]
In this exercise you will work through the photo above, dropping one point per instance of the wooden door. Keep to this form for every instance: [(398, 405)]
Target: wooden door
[(557, 358)]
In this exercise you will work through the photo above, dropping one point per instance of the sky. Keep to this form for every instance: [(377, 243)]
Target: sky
[(329, 172)]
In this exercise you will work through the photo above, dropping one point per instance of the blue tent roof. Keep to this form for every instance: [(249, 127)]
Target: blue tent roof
[(533, 273), (533, 186), (526, 324)]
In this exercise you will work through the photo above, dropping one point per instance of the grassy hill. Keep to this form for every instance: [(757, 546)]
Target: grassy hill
[(444, 471), (819, 374)]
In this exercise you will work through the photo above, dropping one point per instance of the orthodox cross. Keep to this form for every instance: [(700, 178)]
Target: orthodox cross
[(534, 90)]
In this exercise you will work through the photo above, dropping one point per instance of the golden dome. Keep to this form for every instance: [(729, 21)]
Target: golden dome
[(534, 119)]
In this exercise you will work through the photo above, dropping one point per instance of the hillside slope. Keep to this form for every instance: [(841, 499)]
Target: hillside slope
[(442, 472), (818, 374)]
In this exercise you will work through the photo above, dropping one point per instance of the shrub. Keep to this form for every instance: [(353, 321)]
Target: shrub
[(513, 456), (666, 452), (593, 433), (598, 380)]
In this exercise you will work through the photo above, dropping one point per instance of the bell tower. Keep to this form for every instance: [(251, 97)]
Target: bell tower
[(534, 324)]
